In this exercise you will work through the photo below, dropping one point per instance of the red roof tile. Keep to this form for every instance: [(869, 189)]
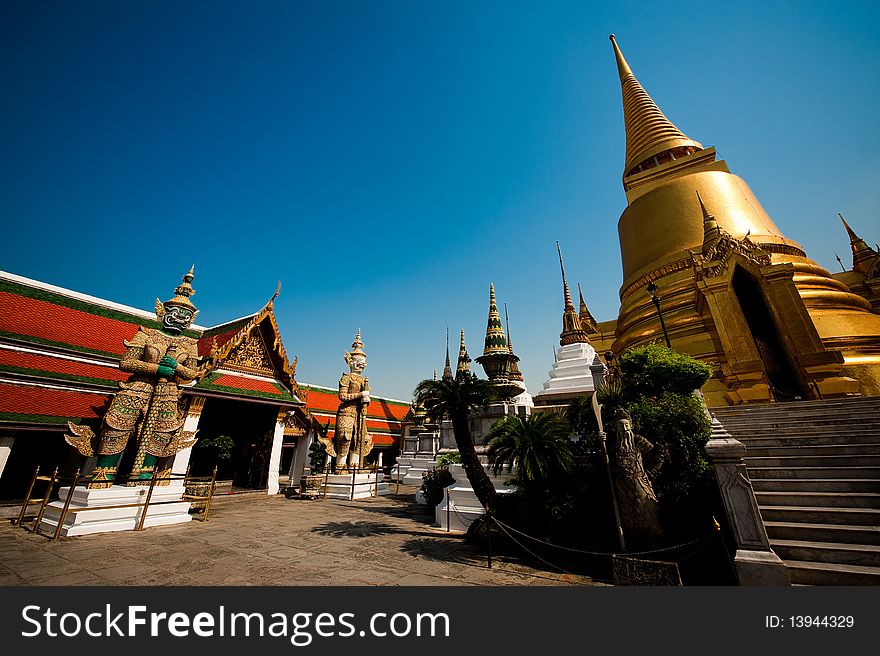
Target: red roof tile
[(30, 400), (36, 318), (239, 382), (46, 363), (207, 342)]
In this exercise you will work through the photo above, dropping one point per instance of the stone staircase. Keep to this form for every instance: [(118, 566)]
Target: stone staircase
[(815, 468)]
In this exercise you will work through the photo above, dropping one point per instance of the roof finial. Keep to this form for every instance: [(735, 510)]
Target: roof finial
[(515, 373)]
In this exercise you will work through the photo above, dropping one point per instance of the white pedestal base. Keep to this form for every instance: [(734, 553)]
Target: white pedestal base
[(418, 466), (464, 507), (339, 486), (165, 508)]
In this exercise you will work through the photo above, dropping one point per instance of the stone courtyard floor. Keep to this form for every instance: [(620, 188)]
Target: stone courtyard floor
[(260, 540)]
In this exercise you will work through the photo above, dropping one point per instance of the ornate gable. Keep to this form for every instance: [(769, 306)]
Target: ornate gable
[(256, 348)]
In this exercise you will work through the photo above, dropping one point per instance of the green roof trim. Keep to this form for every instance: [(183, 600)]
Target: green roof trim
[(37, 419), (62, 345), (83, 306), (208, 383), (105, 382)]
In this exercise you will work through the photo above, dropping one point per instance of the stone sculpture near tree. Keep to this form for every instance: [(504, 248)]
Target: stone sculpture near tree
[(351, 441), (639, 509)]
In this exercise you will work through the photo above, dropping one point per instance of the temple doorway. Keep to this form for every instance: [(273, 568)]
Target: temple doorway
[(250, 427), (781, 372)]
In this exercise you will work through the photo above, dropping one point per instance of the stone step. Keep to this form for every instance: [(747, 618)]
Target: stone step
[(819, 499), (755, 431), (824, 404), (844, 533), (815, 461), (814, 472), (812, 450), (827, 552), (856, 485), (765, 439), (803, 572), (868, 517)]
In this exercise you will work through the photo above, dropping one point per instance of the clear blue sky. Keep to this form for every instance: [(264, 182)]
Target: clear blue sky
[(387, 160)]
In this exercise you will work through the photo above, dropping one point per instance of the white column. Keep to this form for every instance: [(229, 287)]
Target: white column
[(190, 425), (300, 457), (5, 449), (275, 457)]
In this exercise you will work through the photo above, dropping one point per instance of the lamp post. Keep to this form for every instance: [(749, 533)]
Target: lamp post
[(652, 292)]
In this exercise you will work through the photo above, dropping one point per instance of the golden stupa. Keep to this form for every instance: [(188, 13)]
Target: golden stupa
[(734, 291)]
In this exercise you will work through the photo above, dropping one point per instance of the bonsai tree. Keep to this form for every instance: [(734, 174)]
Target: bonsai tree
[(456, 398)]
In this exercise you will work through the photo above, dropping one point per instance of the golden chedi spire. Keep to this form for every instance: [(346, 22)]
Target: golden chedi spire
[(588, 323), (464, 360), (820, 341), (572, 330), (648, 131), (863, 255)]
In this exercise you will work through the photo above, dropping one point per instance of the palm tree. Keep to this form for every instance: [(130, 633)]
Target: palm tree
[(455, 399), (533, 447)]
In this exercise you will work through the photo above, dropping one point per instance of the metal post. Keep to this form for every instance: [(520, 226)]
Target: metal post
[(210, 494), (613, 491), (448, 525), (27, 498), (143, 517), (662, 323), (36, 524), (326, 475), (398, 477), (66, 505), (488, 535)]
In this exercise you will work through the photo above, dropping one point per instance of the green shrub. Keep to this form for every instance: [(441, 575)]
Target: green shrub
[(449, 459), (317, 456), (434, 481), (654, 369)]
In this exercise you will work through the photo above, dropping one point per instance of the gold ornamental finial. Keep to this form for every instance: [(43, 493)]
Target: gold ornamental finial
[(648, 132), (709, 222), (588, 323), (863, 255), (357, 346), (566, 293)]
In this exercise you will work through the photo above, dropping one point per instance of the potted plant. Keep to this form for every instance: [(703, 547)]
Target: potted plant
[(213, 451), (310, 483)]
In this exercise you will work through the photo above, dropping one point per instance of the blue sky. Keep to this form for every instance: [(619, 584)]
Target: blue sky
[(387, 160)]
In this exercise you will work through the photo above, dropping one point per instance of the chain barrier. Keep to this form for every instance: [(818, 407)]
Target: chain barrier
[(605, 553)]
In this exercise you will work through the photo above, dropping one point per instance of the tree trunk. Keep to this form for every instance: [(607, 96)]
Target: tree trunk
[(476, 475)]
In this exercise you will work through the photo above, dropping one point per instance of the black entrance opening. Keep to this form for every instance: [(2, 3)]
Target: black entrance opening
[(31, 448), (251, 427), (781, 373)]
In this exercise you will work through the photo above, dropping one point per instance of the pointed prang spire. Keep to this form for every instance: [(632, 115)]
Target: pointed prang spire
[(464, 360), (515, 373), (495, 342), (588, 323), (447, 368), (572, 330), (648, 131)]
